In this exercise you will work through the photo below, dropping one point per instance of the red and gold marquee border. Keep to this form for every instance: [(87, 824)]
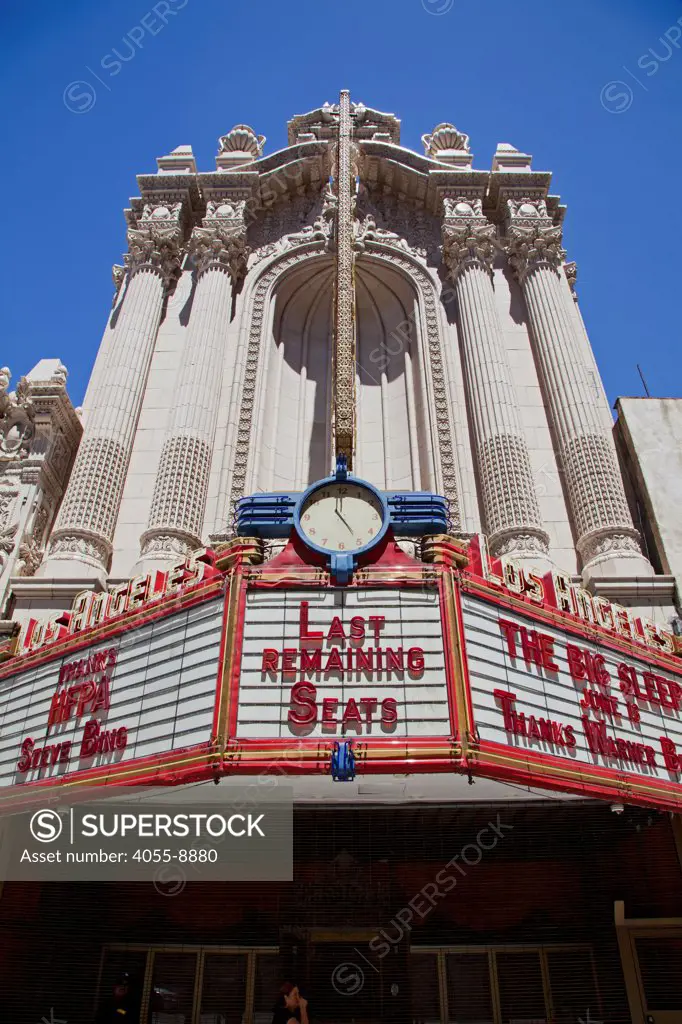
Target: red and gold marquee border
[(462, 751)]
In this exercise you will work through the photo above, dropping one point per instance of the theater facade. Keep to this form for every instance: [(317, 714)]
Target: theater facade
[(346, 512)]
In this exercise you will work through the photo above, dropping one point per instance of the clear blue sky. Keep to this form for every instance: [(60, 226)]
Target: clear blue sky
[(528, 72)]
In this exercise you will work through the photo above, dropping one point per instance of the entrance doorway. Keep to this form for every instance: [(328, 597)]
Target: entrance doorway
[(187, 984), (651, 953), (549, 984), (343, 988)]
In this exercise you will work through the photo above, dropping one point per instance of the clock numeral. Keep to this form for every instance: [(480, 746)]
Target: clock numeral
[(306, 517), (342, 546), (312, 531), (358, 541), (324, 541), (370, 532)]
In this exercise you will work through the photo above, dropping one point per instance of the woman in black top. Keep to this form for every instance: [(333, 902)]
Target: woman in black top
[(291, 1007)]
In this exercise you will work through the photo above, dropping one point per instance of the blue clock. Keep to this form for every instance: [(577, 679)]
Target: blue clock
[(341, 517)]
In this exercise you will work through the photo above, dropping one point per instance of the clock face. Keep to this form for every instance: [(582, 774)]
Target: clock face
[(342, 517)]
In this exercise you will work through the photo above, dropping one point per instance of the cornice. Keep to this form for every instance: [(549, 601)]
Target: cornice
[(52, 400), (506, 185), (173, 188)]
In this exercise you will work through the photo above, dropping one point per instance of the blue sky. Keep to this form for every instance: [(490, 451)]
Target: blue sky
[(534, 73)]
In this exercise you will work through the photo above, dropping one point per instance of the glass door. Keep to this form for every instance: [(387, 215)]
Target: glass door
[(187, 985), (504, 985), (659, 968)]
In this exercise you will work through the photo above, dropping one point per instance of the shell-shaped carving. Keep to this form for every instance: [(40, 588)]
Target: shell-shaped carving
[(242, 139), (445, 137)]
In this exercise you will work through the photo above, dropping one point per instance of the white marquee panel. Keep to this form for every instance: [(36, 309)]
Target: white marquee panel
[(555, 695), (162, 690), (412, 619)]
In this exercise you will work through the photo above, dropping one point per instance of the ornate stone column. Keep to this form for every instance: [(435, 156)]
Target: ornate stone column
[(85, 525), (181, 488), (606, 539), (510, 505)]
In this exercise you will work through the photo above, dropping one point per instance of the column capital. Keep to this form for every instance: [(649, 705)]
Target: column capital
[(468, 236), (532, 239), (155, 239), (155, 248), (221, 243)]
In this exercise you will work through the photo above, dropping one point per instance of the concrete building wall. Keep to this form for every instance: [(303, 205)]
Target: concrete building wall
[(649, 436)]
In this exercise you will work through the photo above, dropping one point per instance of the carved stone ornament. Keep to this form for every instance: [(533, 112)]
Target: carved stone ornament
[(532, 239), (118, 274), (468, 240), (168, 544), (367, 231), (7, 541), (5, 377), (227, 211), (301, 220), (30, 557), (511, 542), (445, 137), (571, 272), (17, 415), (529, 247), (155, 244), (7, 499), (242, 139), (221, 246), (83, 544), (609, 543)]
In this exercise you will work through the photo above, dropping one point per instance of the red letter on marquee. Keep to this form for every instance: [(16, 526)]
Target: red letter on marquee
[(270, 660), (671, 759), (304, 635), (510, 629), (303, 696)]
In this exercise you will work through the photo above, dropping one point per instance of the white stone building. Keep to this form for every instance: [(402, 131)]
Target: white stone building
[(216, 377)]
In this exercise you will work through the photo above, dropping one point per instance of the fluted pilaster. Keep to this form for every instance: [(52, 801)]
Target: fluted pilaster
[(87, 518), (599, 508), (510, 505), (181, 488)]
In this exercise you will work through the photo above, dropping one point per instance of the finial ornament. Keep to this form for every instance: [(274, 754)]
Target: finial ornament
[(445, 139), (242, 139)]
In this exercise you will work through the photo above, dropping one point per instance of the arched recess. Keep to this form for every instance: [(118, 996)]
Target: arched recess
[(404, 434)]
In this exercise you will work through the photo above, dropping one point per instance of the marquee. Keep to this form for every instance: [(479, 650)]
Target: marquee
[(248, 667), (549, 702)]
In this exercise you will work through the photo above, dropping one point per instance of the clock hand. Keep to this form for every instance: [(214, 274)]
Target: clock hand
[(343, 520)]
